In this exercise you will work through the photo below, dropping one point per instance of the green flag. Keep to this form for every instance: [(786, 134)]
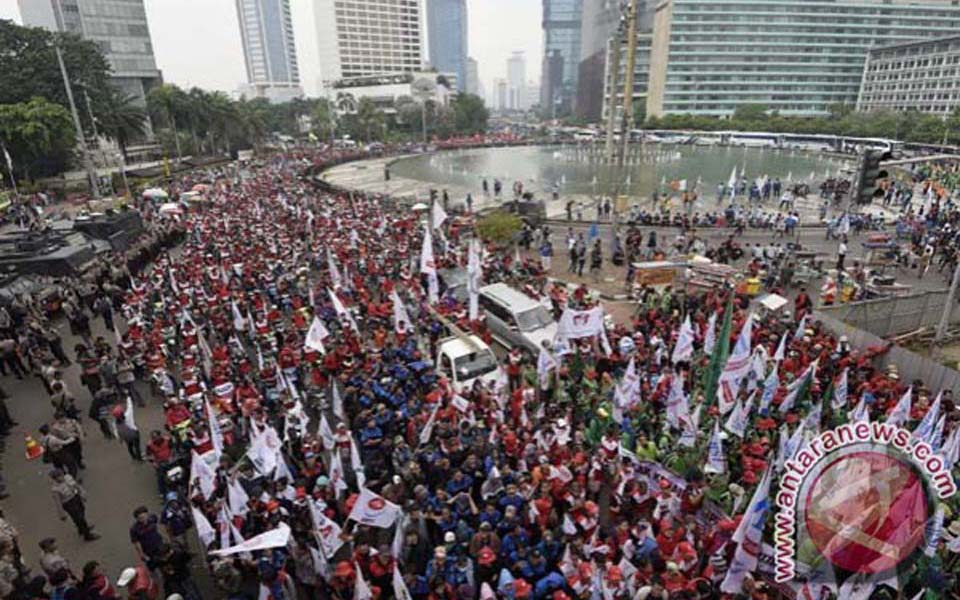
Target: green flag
[(720, 353)]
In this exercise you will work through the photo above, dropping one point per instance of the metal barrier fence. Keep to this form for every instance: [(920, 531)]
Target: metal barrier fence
[(910, 365), (887, 317)]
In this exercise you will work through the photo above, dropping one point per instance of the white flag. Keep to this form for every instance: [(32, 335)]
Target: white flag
[(545, 364), (237, 498), (781, 348), (739, 416), (439, 215), (710, 337), (205, 531), (749, 538), (334, 271), (216, 436), (325, 433), (716, 461), (678, 406), (934, 531), (901, 412), (400, 591), (337, 402), (401, 320), (683, 350), (428, 266), (361, 589), (627, 392), (202, 475), (327, 531), (801, 328), (335, 473), (427, 430), (373, 510), (474, 275), (342, 312), (860, 411), (356, 463), (924, 430), (770, 389), (315, 336), (839, 400)]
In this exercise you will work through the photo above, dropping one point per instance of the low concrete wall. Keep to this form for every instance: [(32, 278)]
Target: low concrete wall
[(910, 365), (887, 317)]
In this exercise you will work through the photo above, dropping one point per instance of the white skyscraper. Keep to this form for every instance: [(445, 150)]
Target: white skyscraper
[(517, 81), (266, 29), (358, 38)]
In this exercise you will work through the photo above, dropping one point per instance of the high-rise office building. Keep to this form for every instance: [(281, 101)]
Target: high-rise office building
[(517, 81), (600, 20), (447, 36), (118, 27), (473, 78), (561, 55), (501, 95), (922, 76), (266, 30), (358, 38), (795, 57)]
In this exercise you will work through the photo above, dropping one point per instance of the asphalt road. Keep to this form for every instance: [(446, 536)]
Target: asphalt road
[(115, 484)]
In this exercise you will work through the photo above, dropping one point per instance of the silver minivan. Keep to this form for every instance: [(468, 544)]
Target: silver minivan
[(515, 319)]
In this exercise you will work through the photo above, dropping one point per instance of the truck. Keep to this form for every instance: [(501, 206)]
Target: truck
[(463, 359)]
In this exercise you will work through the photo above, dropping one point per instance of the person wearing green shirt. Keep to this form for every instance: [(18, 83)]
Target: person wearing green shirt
[(646, 449)]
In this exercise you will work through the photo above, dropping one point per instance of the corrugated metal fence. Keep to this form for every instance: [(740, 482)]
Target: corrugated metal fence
[(910, 365), (887, 317)]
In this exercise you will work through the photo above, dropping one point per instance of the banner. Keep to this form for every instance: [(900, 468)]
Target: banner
[(576, 324), (275, 538), (474, 275)]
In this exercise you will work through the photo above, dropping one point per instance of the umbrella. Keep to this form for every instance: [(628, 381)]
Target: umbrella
[(155, 193), (419, 206), (171, 208)]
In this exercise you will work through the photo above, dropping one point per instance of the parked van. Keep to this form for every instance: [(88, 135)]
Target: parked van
[(465, 359), (515, 319)]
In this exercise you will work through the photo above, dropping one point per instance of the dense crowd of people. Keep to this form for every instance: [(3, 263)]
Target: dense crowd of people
[(315, 451)]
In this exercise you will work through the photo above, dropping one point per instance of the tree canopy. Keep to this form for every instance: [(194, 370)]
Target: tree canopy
[(38, 135)]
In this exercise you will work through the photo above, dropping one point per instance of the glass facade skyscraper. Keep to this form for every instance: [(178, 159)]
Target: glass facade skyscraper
[(794, 56), (270, 55), (561, 55), (447, 37), (119, 27)]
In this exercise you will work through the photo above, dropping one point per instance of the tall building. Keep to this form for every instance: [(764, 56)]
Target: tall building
[(561, 55), (600, 20), (796, 57), (517, 81), (447, 35), (358, 38), (118, 27), (501, 95), (269, 52), (473, 78), (921, 76)]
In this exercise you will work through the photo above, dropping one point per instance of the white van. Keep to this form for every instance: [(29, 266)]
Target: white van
[(464, 359), (515, 319)]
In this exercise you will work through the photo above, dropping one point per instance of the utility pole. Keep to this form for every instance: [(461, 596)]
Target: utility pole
[(613, 67), (87, 161), (626, 121)]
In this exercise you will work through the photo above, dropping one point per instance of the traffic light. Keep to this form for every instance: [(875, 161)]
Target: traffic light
[(871, 177)]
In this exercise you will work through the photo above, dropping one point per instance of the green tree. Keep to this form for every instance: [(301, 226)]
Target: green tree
[(324, 119), (499, 227), (29, 68), (124, 120), (38, 134), (167, 103), (470, 115), (367, 123), (750, 113)]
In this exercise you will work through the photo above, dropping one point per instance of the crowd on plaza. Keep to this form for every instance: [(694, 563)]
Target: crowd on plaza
[(312, 449)]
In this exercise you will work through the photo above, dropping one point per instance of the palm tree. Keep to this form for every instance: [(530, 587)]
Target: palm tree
[(324, 118), (369, 118), (168, 101), (252, 119), (123, 119)]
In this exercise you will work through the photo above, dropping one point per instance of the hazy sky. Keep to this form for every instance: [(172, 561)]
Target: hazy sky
[(197, 42)]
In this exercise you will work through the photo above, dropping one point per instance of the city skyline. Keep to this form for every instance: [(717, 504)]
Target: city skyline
[(189, 52)]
